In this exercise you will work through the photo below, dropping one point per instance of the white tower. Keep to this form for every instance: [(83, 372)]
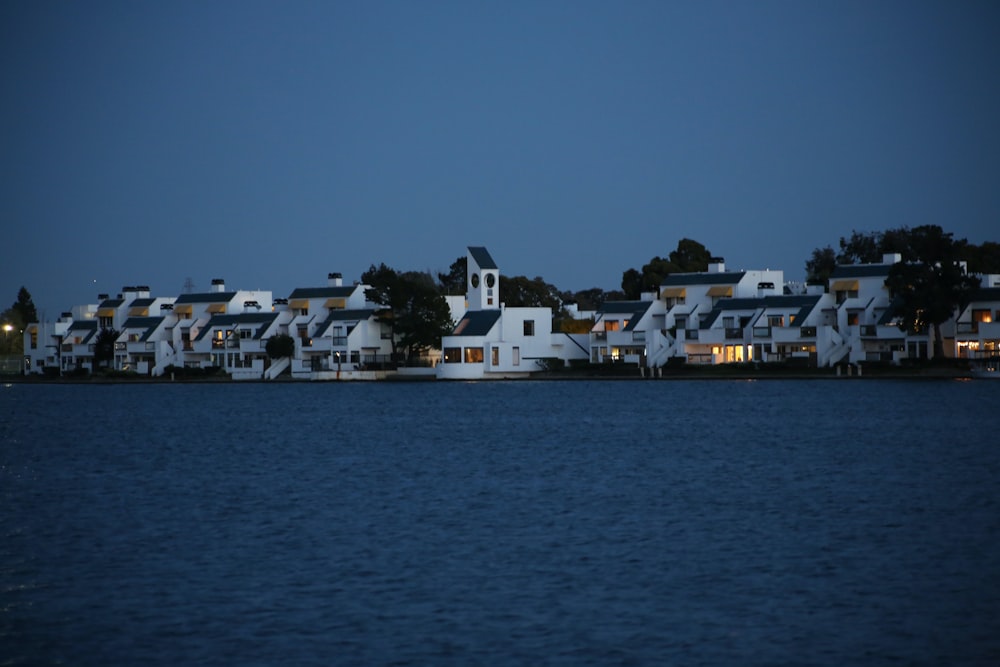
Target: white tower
[(482, 280)]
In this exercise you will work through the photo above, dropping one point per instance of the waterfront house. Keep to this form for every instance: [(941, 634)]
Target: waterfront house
[(977, 326), (689, 300), (494, 341), (337, 333)]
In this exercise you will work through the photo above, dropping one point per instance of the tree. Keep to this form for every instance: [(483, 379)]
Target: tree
[(689, 257), (104, 347), (425, 317), (406, 299), (453, 282), (520, 291), (821, 264), (280, 345), (24, 307), (928, 289)]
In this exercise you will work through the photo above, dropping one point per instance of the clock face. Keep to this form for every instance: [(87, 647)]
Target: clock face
[(475, 280), (490, 279)]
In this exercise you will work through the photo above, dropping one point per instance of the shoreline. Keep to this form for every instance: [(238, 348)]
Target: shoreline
[(615, 374)]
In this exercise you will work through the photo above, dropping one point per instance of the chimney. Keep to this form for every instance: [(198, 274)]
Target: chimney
[(102, 297), (716, 265), (218, 285), (334, 279)]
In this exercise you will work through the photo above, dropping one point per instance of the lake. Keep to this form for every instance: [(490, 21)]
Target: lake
[(800, 522)]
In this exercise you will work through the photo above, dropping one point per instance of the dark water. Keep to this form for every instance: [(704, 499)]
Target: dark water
[(565, 523)]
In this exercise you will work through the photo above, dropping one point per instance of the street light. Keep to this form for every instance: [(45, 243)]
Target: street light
[(7, 328)]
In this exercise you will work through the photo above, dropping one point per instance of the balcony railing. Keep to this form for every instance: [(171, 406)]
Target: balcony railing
[(691, 334), (639, 336), (762, 332), (807, 332), (734, 333), (967, 327), (869, 330)]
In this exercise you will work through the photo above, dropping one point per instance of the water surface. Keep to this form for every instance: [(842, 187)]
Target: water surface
[(526, 523)]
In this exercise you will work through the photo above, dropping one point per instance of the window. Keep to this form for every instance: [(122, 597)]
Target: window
[(245, 334), (105, 322), (515, 356), (495, 356), (775, 321), (529, 327), (612, 325), (452, 355), (473, 355)]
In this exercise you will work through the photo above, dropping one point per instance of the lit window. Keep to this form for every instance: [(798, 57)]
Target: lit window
[(473, 355)]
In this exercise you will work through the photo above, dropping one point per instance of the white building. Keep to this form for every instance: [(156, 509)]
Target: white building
[(493, 341)]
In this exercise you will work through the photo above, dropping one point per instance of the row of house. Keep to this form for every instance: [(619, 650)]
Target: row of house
[(714, 317)]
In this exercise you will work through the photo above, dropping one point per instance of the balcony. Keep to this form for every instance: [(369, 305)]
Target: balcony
[(762, 332), (807, 332), (869, 330), (967, 327), (690, 334), (734, 333), (638, 336)]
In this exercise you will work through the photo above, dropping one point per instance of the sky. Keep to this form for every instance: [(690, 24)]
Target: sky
[(269, 143)]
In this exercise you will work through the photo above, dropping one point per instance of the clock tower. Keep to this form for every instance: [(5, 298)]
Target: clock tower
[(482, 280)]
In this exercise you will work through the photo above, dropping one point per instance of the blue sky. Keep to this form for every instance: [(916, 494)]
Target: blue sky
[(269, 143)]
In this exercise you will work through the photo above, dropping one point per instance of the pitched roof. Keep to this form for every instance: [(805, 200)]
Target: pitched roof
[(683, 279), (804, 303), (482, 257), (635, 309), (88, 327), (322, 292), (344, 315), (111, 303), (216, 321), (476, 323), (147, 324), (860, 271), (141, 303), (206, 297), (986, 294)]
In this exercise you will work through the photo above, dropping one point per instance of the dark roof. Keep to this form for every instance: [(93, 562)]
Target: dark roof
[(477, 323), (148, 324), (205, 297), (860, 271), (986, 294), (636, 309), (111, 303), (87, 326), (682, 279), (482, 257), (805, 304), (141, 303), (322, 292), (344, 315), (216, 321)]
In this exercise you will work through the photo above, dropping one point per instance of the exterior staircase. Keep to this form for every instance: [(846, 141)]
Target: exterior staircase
[(277, 368)]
